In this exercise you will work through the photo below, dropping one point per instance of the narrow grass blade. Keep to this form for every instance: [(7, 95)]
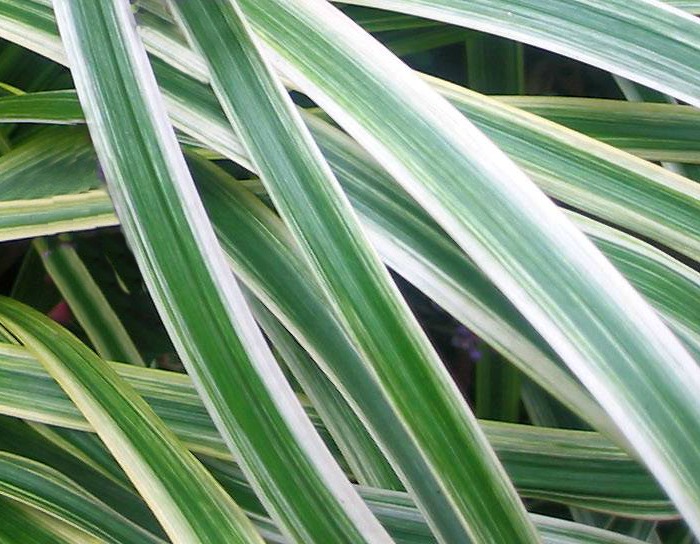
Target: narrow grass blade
[(479, 501), (189, 504), (589, 175), (66, 149), (54, 215), (60, 107), (656, 132), (86, 300), (653, 43), (497, 387), (691, 6), (197, 296), (495, 65)]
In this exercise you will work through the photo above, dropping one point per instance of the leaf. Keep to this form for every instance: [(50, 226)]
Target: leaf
[(196, 295), (86, 301), (189, 504), (469, 500), (564, 287), (412, 244), (653, 43), (692, 6), (655, 132), (60, 107), (69, 153)]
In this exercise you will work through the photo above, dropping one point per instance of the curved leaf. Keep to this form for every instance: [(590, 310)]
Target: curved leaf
[(197, 297), (653, 43), (468, 500), (577, 301), (189, 504)]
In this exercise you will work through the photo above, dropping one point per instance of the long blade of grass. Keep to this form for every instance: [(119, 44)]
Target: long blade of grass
[(86, 301), (374, 20), (691, 6), (633, 193), (94, 468), (57, 494), (189, 504), (197, 296), (653, 43), (656, 132), (405, 523), (476, 500), (577, 301), (574, 467)]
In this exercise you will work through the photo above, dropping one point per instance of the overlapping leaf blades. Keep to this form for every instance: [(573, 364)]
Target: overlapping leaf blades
[(522, 448), (510, 230), (321, 221), (188, 502), (663, 280), (653, 43), (198, 298)]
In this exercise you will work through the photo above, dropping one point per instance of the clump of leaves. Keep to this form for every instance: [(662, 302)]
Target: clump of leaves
[(272, 276)]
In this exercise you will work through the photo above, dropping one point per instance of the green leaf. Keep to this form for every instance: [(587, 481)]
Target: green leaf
[(692, 6), (494, 65), (567, 290), (497, 387), (577, 170), (86, 301), (195, 293), (47, 445), (568, 166), (189, 504), (65, 149), (657, 132), (652, 44), (573, 467), (475, 499), (388, 109), (60, 107)]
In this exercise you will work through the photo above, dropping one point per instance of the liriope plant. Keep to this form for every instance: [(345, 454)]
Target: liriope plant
[(274, 168)]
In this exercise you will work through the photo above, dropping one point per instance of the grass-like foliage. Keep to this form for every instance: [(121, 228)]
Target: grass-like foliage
[(371, 271)]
